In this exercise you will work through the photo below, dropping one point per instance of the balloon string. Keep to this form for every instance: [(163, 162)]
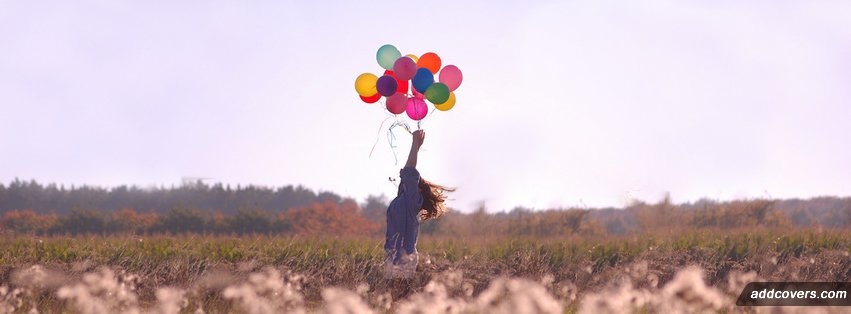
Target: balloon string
[(391, 138), (404, 125), (422, 121), (378, 136), (381, 126)]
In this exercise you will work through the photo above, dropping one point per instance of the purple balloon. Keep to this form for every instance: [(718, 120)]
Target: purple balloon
[(416, 109), (386, 85), (405, 68)]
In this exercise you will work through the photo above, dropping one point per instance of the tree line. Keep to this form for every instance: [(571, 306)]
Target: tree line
[(60, 199), (31, 208)]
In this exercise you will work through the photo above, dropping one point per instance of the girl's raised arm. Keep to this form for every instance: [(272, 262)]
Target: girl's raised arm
[(419, 137)]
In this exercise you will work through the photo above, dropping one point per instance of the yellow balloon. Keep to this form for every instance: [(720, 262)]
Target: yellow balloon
[(413, 57), (365, 84), (448, 104)]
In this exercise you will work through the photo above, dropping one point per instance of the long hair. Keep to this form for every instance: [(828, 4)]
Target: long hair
[(434, 196)]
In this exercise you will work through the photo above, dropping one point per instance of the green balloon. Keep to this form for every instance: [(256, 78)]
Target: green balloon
[(437, 93), (387, 55)]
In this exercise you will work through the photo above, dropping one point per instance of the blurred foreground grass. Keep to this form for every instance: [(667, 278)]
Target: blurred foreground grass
[(586, 264)]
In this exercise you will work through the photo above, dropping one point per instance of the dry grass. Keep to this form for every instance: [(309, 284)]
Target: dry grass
[(682, 272)]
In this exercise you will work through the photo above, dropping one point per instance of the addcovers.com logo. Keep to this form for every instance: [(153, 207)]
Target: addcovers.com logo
[(795, 294)]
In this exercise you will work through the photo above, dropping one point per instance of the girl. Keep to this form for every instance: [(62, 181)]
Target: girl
[(416, 200)]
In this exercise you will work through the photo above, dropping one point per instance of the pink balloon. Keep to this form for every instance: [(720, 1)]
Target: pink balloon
[(417, 108), (417, 94), (451, 76), (405, 68), (396, 103)]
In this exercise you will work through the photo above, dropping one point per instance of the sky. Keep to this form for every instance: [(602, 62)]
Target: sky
[(563, 103)]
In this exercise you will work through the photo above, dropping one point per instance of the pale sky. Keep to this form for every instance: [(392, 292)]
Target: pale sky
[(564, 103)]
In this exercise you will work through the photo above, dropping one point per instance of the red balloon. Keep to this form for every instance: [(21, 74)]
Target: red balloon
[(371, 99), (402, 84), (403, 87)]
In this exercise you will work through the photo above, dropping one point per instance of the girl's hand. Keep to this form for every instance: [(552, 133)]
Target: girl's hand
[(419, 137)]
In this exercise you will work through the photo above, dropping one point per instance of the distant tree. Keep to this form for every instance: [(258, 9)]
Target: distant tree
[(219, 223), (28, 221), (329, 218), (480, 222), (21, 194), (663, 215), (251, 220), (616, 226), (283, 222), (83, 221), (375, 208), (777, 219), (802, 217), (127, 220), (328, 196), (183, 220)]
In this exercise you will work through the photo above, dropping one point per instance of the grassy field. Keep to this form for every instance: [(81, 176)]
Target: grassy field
[(681, 271)]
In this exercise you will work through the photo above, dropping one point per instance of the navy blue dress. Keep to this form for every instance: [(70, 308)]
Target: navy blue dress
[(403, 223)]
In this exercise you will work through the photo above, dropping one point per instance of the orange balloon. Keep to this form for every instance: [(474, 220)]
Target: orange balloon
[(430, 61)]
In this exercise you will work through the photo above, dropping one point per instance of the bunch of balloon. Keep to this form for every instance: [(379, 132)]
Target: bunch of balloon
[(408, 83)]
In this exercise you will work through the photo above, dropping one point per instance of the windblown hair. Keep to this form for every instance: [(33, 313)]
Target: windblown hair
[(434, 196)]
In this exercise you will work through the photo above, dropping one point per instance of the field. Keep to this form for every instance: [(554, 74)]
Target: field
[(680, 271)]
